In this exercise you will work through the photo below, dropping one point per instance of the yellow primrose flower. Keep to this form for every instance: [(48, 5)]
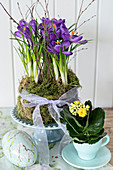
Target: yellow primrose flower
[(71, 109), (82, 112), (73, 105), (76, 102), (87, 107), (81, 104), (74, 113)]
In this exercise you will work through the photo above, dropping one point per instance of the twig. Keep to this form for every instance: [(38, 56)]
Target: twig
[(83, 11), (76, 52), (85, 21), (30, 11), (20, 10), (47, 11), (79, 13), (9, 14), (32, 6)]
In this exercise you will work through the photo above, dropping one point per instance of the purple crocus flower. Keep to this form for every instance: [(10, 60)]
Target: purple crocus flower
[(33, 26), (23, 29), (55, 48), (51, 27)]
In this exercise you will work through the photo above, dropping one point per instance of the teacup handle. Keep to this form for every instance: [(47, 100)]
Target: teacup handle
[(106, 141)]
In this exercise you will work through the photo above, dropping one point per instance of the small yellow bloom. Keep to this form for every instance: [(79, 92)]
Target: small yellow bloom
[(82, 112), (74, 113), (76, 102), (53, 18), (87, 107), (73, 105), (71, 109)]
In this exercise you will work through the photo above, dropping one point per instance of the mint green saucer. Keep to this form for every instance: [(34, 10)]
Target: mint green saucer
[(69, 154)]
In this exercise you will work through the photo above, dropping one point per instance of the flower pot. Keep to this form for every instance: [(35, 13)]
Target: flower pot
[(88, 151)]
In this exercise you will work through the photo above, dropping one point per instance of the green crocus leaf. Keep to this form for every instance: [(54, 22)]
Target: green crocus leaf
[(96, 121)]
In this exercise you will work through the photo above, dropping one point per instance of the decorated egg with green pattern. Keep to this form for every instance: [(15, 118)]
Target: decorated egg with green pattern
[(19, 148)]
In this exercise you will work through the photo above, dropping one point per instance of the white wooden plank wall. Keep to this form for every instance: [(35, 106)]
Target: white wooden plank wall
[(93, 66)]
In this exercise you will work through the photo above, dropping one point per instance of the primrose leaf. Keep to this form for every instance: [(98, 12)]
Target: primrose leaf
[(89, 103), (96, 121), (72, 119), (72, 132)]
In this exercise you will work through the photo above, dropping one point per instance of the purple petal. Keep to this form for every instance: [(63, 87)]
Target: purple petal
[(18, 34), (50, 50), (27, 33), (52, 37), (22, 28), (82, 42), (45, 22), (76, 39), (57, 47), (54, 21), (52, 43), (67, 52), (33, 25), (73, 36), (64, 29), (61, 21), (58, 32), (65, 44), (22, 22), (65, 36)]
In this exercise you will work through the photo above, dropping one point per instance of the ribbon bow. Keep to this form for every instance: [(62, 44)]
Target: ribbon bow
[(37, 101)]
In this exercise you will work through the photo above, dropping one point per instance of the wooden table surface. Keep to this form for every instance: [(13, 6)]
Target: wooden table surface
[(109, 129)]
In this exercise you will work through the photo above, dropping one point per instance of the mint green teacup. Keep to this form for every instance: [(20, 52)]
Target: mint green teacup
[(88, 151)]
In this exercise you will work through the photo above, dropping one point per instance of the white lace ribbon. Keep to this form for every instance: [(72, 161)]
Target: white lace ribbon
[(37, 101)]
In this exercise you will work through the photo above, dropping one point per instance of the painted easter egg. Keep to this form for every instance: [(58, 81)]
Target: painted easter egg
[(19, 148)]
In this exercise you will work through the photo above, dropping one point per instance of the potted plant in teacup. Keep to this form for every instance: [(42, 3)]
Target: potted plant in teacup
[(85, 126)]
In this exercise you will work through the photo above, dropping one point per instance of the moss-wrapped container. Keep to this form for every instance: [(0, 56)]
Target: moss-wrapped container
[(51, 90)]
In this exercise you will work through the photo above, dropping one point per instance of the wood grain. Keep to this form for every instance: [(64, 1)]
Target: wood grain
[(109, 130)]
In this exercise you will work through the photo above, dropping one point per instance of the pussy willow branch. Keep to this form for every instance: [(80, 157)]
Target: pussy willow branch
[(9, 14), (20, 10), (17, 24), (86, 21), (79, 14), (82, 11), (30, 11), (76, 51), (47, 10)]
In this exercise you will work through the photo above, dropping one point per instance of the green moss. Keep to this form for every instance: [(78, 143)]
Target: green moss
[(51, 90)]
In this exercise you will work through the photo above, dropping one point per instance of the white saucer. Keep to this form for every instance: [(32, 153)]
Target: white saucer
[(69, 154)]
